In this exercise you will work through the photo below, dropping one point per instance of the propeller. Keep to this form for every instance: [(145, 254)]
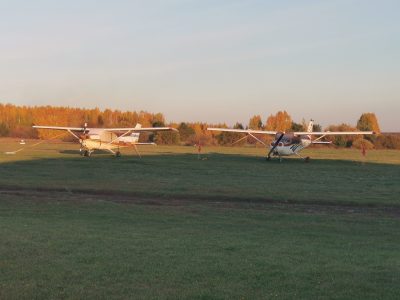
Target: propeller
[(275, 145)]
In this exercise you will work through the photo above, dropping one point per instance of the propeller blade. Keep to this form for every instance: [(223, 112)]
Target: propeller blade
[(275, 145)]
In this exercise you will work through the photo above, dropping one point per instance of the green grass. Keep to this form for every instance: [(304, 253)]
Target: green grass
[(333, 176), (80, 248), (169, 226)]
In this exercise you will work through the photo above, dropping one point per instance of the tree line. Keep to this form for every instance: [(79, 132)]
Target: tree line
[(17, 121)]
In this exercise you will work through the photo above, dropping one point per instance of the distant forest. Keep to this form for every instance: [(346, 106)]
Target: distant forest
[(17, 121)]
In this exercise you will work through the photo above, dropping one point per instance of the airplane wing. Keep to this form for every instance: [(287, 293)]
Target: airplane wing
[(335, 133), (134, 129), (61, 128), (248, 131), (82, 129)]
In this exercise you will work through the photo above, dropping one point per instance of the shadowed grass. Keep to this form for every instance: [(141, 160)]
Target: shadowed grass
[(333, 176)]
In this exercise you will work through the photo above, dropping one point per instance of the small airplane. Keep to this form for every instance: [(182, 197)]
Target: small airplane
[(291, 143), (92, 139)]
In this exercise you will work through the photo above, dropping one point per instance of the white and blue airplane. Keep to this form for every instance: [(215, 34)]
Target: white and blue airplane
[(291, 143)]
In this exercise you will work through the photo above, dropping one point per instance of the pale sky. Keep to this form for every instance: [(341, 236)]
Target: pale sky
[(206, 60)]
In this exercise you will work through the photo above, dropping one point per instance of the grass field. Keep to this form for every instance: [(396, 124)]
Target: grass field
[(167, 226), (333, 176)]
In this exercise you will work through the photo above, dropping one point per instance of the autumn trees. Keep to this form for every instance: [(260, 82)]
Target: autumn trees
[(256, 123), (281, 121), (368, 122), (17, 121)]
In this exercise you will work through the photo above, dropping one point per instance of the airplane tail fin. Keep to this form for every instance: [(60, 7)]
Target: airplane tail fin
[(310, 126), (135, 135)]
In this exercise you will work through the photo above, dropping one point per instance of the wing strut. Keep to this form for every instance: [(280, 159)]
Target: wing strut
[(73, 134), (257, 139), (116, 139), (137, 150), (239, 140), (245, 137)]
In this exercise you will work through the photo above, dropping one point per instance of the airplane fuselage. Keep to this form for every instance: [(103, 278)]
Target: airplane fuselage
[(97, 139), (289, 144), (97, 144)]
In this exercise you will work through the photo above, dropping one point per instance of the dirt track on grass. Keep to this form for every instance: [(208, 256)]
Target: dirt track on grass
[(50, 195)]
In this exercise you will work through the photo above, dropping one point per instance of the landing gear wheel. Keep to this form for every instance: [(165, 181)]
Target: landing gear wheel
[(86, 153), (268, 158), (307, 159), (117, 154)]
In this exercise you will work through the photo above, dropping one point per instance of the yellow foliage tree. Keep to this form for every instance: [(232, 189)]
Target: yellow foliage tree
[(281, 121), (255, 123), (368, 122)]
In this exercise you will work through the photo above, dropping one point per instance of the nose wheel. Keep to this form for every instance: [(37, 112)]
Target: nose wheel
[(117, 154), (268, 158)]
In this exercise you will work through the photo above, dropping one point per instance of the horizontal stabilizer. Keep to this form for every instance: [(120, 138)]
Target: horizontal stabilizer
[(318, 142)]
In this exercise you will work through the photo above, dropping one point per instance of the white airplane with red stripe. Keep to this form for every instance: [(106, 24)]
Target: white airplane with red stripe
[(291, 143)]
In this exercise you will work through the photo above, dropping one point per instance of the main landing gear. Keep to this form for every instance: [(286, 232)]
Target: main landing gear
[(305, 159), (116, 153), (86, 153), (268, 158)]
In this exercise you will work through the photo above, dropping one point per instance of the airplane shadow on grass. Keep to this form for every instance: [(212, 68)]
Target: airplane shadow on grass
[(77, 152)]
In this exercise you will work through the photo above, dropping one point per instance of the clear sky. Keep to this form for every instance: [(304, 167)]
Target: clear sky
[(206, 60)]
